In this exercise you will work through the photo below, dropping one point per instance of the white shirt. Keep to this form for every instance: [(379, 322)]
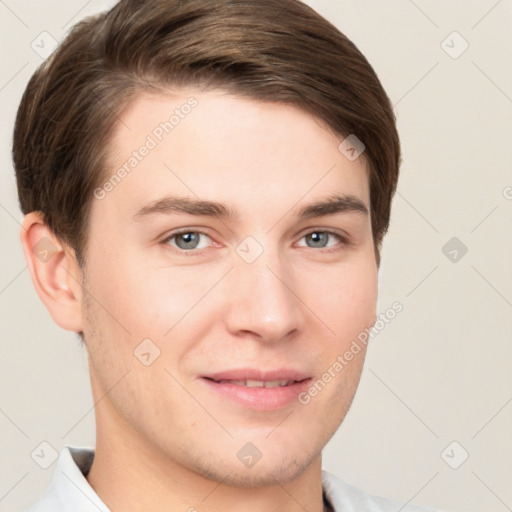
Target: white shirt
[(69, 490)]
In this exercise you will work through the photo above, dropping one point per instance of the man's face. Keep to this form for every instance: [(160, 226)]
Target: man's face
[(264, 297)]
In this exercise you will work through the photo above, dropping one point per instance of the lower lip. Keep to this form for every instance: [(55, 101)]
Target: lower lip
[(260, 399)]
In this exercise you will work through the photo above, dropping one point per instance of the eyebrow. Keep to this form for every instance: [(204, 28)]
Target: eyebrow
[(332, 205)]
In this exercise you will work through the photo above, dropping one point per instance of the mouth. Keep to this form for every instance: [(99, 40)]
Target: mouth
[(256, 390), (258, 383)]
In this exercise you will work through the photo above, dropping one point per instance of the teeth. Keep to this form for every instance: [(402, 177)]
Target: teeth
[(258, 383), (276, 383), (235, 382), (254, 383)]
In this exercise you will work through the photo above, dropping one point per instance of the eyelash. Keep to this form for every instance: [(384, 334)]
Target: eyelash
[(197, 252)]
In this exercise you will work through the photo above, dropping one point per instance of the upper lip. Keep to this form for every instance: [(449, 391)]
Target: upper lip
[(259, 375)]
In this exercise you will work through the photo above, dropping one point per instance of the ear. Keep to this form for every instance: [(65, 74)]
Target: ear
[(54, 270)]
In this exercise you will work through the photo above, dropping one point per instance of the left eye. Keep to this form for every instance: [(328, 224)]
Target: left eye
[(319, 239)]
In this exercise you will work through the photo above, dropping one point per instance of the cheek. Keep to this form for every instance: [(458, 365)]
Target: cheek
[(346, 299), (144, 301)]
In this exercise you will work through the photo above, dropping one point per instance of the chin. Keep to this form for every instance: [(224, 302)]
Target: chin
[(280, 463), (264, 476)]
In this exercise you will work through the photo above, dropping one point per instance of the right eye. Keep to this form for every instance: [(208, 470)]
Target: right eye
[(186, 241)]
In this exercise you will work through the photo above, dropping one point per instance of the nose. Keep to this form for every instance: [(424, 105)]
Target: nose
[(263, 302)]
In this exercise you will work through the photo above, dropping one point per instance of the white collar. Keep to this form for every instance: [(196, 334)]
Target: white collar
[(69, 490)]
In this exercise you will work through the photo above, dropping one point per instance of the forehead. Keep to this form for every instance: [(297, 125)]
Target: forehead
[(218, 146)]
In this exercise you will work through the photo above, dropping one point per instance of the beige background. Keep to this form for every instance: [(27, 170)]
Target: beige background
[(441, 371)]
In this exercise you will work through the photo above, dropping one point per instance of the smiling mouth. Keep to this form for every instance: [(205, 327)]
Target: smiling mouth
[(257, 383), (256, 390)]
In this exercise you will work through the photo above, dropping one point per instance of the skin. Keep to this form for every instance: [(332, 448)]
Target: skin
[(165, 440)]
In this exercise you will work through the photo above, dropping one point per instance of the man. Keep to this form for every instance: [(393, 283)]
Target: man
[(206, 186)]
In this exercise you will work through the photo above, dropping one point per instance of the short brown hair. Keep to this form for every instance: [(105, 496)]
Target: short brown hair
[(268, 50)]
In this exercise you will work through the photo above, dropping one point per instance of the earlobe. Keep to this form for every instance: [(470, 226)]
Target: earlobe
[(54, 271)]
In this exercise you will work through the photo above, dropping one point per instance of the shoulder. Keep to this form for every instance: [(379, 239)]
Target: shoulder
[(344, 497)]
